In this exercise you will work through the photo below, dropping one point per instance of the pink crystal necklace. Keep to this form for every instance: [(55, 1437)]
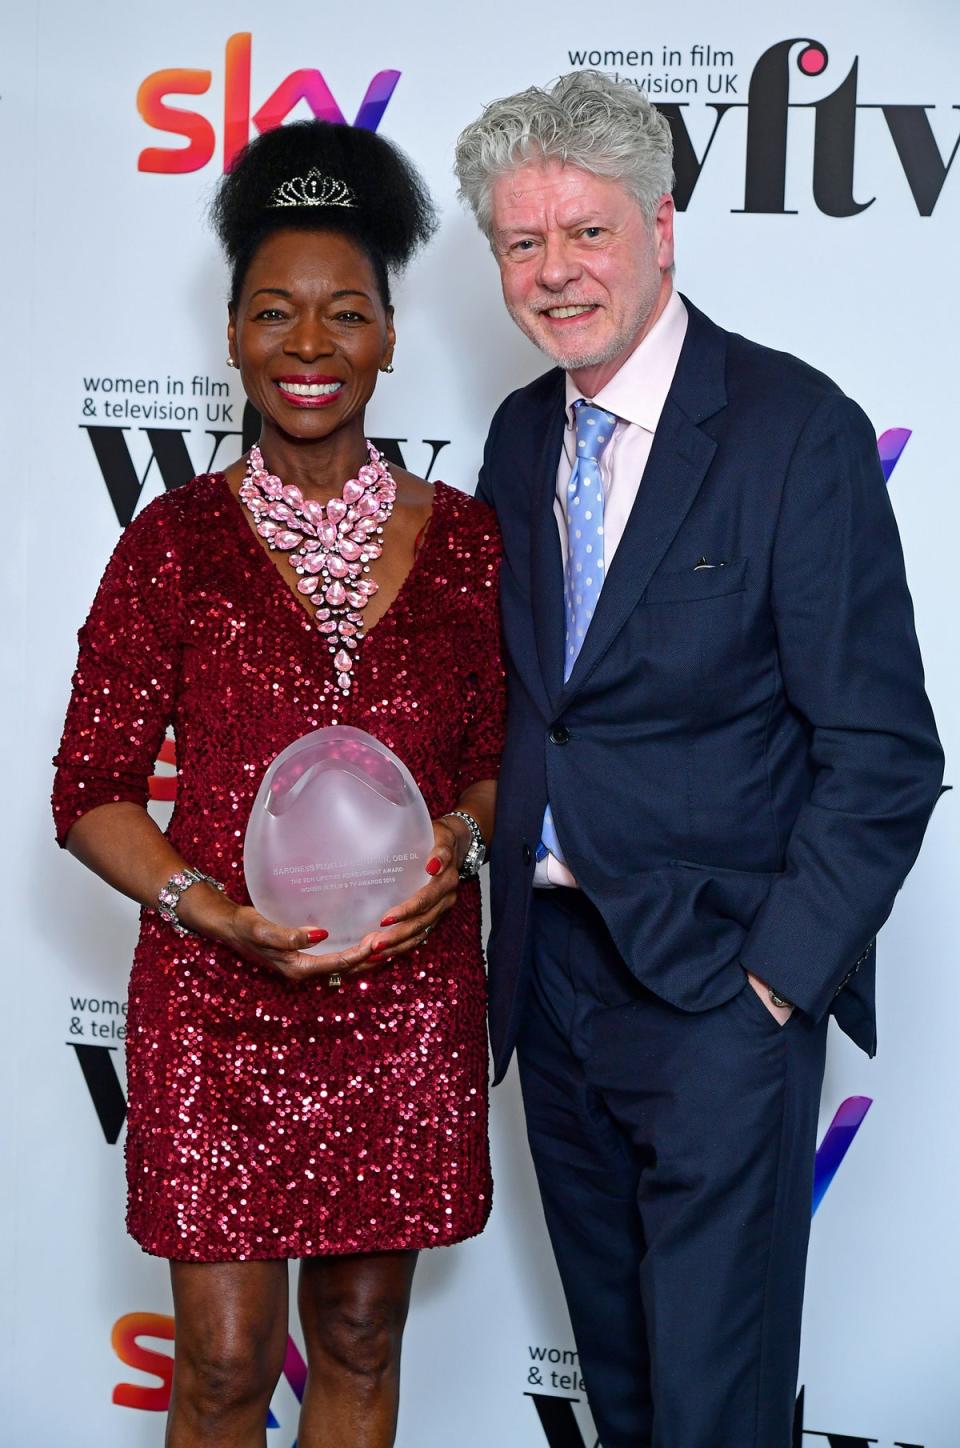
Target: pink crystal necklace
[(330, 545)]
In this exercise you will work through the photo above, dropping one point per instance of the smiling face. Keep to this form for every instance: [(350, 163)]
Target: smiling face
[(310, 333), (583, 274)]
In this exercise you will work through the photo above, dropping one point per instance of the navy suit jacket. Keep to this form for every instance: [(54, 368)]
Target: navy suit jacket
[(743, 761)]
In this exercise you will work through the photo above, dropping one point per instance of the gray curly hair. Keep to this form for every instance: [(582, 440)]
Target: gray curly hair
[(584, 119)]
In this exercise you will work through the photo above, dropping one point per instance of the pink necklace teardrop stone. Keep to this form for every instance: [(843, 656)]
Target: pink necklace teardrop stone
[(331, 546)]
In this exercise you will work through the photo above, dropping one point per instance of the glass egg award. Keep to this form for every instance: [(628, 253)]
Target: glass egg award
[(338, 834)]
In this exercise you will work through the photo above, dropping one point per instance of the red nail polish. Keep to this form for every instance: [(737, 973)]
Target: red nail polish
[(434, 867), (388, 920), (376, 958), (315, 936)]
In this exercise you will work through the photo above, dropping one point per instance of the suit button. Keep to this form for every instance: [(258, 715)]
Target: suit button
[(559, 734), (527, 855)]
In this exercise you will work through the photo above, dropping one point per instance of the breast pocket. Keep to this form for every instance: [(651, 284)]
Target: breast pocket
[(692, 624), (693, 585)]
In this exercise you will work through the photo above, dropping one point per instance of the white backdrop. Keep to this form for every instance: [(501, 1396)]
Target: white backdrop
[(109, 273)]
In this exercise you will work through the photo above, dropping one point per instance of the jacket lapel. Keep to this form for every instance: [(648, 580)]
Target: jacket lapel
[(546, 559), (678, 461)]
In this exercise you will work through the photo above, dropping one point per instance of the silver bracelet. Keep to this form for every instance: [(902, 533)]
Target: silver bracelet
[(169, 897), (477, 852)]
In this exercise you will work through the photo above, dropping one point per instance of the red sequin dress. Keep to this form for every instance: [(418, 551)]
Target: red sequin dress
[(271, 1119)]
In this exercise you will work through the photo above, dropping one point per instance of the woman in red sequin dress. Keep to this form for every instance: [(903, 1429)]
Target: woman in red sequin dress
[(285, 1105)]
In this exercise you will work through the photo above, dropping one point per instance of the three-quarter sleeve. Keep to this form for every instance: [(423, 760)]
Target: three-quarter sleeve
[(125, 681), (483, 735)]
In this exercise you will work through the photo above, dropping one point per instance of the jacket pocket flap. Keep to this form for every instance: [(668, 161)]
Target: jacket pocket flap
[(691, 584)]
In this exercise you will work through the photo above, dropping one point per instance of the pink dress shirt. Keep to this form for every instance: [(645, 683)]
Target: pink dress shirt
[(636, 395)]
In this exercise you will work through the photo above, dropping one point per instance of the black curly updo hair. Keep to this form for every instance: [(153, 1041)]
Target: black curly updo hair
[(393, 215)]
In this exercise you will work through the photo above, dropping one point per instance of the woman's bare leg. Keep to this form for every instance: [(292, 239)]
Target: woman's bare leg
[(353, 1310), (231, 1335)]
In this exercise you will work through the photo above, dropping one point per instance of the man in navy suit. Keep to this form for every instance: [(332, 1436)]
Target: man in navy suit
[(720, 762)]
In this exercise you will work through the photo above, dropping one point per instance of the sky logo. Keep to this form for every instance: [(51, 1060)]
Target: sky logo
[(127, 1341), (837, 1141), (163, 786), (890, 446), (300, 85)]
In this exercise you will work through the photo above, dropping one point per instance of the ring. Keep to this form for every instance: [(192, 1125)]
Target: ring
[(334, 980)]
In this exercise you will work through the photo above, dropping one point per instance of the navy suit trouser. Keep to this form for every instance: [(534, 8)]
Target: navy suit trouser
[(675, 1154)]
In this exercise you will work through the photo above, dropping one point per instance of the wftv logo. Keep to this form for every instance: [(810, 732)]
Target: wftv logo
[(301, 85), (561, 1429), (768, 106), (109, 1102), (168, 449)]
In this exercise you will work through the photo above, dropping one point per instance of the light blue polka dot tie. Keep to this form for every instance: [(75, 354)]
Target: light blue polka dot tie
[(584, 576)]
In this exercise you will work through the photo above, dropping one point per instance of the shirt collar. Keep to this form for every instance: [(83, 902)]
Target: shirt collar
[(638, 390)]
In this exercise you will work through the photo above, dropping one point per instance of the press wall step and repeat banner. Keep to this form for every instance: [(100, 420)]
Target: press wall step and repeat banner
[(819, 195)]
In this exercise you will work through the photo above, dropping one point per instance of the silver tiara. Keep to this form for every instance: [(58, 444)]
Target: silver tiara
[(314, 189)]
